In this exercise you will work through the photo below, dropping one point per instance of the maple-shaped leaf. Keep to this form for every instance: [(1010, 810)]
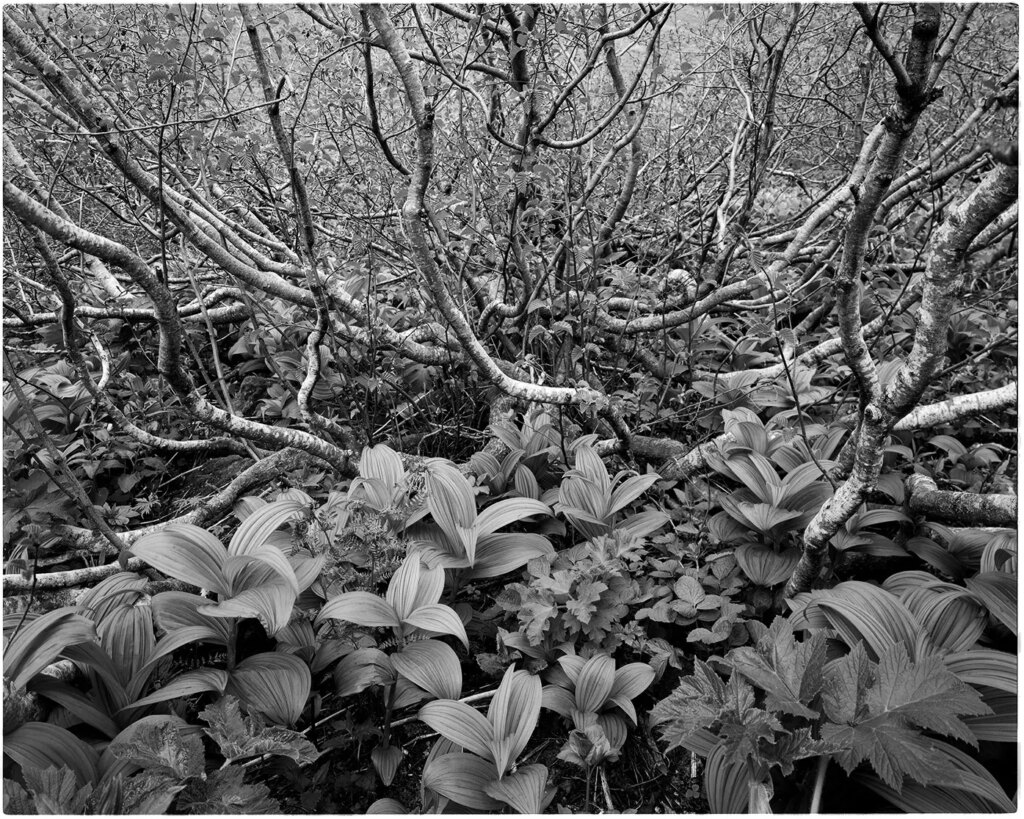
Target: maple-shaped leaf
[(226, 792), (56, 791), (240, 736), (846, 682), (164, 748), (882, 725), (151, 792), (789, 671), (582, 604)]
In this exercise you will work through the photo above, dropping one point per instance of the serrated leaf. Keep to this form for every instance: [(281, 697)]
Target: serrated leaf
[(240, 736), (226, 792), (56, 791), (164, 747)]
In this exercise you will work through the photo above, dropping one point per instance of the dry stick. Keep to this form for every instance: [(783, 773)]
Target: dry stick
[(74, 490)]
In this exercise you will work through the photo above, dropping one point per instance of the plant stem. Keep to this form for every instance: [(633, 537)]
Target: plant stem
[(606, 790), (392, 693), (232, 643), (819, 784)]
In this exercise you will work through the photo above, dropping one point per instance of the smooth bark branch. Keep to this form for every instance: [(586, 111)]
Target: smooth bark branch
[(965, 508)]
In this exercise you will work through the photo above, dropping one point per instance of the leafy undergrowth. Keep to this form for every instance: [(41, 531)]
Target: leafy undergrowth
[(538, 636)]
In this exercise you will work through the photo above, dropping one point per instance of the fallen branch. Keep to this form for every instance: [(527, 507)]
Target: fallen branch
[(925, 498)]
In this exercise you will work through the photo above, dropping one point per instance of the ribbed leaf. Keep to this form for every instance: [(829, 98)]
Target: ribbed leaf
[(450, 499), (359, 670), (42, 641), (998, 592), (860, 611), (595, 683), (725, 780), (121, 589), (764, 566), (173, 610), (361, 608), (432, 666), (514, 712), (404, 586), (251, 536), (985, 666), (76, 702), (170, 642), (386, 759), (463, 779), (631, 489), (953, 620), (463, 725), (504, 552), (523, 790), (271, 603), (590, 466), (273, 683), (126, 634), (642, 524), (439, 619), (501, 514), (557, 699), (43, 745), (386, 805), (185, 552), (1001, 724), (631, 680), (306, 569), (526, 482), (263, 564), (187, 684), (572, 665), (383, 463)]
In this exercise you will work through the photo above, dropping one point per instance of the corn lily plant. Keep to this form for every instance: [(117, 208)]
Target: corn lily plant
[(594, 694), (485, 778), (592, 501), (469, 542), (420, 666)]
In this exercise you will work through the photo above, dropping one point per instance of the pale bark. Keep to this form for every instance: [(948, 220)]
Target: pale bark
[(964, 508)]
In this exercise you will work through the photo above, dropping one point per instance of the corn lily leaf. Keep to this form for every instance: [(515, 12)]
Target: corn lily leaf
[(997, 591), (432, 665), (506, 551), (271, 603), (764, 566), (523, 790), (450, 500), (386, 759), (252, 535), (361, 608), (985, 666), (412, 586), (590, 466), (631, 680), (362, 668), (514, 712), (42, 641), (76, 702), (1001, 724), (629, 490), (185, 552), (558, 699), (860, 611), (275, 684), (463, 779), (501, 514), (383, 464), (463, 725), (595, 682), (174, 610), (126, 634), (725, 781), (642, 524), (44, 745), (187, 684), (952, 618), (436, 618)]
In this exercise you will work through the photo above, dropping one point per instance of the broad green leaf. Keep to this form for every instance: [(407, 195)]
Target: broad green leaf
[(275, 684), (170, 642), (501, 514), (126, 634), (121, 589), (514, 712), (174, 610), (386, 759), (437, 618), (642, 524), (386, 805), (523, 790), (251, 536), (463, 725), (953, 619), (271, 603), (76, 702), (589, 465), (44, 745), (42, 641), (361, 608), (359, 670), (631, 489), (998, 592), (185, 552), (251, 570), (725, 781), (504, 552), (595, 682), (404, 585), (383, 463), (764, 566), (187, 684), (860, 611), (463, 778), (306, 569), (631, 680), (985, 666), (450, 499), (557, 699), (431, 665)]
